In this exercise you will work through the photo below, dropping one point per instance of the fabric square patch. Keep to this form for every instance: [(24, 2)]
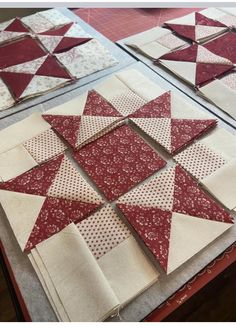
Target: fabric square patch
[(176, 222), (118, 161), (86, 59), (54, 194), (156, 119), (103, 231)]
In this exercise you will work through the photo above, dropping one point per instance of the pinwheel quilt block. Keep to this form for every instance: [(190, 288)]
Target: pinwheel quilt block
[(118, 161), (197, 27), (42, 201), (174, 217), (97, 118), (196, 64), (159, 120)]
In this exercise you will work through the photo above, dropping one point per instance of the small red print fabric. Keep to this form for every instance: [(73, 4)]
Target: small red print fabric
[(174, 216), (155, 118), (65, 197), (118, 161)]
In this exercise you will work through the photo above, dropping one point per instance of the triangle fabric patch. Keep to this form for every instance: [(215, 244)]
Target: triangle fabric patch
[(37, 181), (185, 70), (52, 68), (188, 31), (188, 54), (184, 131), (203, 20), (50, 42), (206, 56), (189, 199), (202, 32), (17, 82), (61, 31), (22, 211), (96, 105), (29, 67), (17, 26), (66, 125), (157, 108), (68, 42), (207, 72), (153, 226), (189, 235), (56, 214)]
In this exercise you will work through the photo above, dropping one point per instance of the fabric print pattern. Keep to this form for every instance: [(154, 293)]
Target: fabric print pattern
[(103, 231), (127, 103), (44, 146), (199, 160), (171, 41), (6, 97), (118, 161), (55, 215), (229, 80)]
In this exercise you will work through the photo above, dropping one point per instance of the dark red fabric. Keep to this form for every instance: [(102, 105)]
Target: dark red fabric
[(96, 105), (20, 51), (55, 215), (67, 43), (36, 181), (207, 72), (153, 226), (52, 68), (66, 125), (184, 131), (191, 200), (16, 82), (58, 31), (118, 161), (224, 46), (188, 31), (203, 20), (188, 54), (16, 26), (159, 107)]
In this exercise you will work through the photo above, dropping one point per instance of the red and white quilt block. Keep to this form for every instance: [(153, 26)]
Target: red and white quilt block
[(118, 161), (167, 123), (12, 29), (95, 118), (196, 64), (197, 27), (174, 217), (42, 201), (63, 38), (212, 161)]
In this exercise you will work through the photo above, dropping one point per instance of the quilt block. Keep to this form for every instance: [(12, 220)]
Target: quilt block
[(174, 217), (47, 198)]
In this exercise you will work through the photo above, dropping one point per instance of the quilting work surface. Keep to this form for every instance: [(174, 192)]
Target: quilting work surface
[(199, 63), (57, 42), (153, 296)]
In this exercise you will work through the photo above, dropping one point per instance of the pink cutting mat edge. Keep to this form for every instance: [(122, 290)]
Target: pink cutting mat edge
[(119, 23)]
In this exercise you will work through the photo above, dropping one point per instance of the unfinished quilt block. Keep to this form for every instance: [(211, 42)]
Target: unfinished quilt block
[(44, 200), (226, 16), (63, 38), (12, 29), (96, 117), (26, 144), (155, 42), (197, 27), (86, 59), (169, 120), (212, 161), (118, 161), (196, 64), (174, 217)]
